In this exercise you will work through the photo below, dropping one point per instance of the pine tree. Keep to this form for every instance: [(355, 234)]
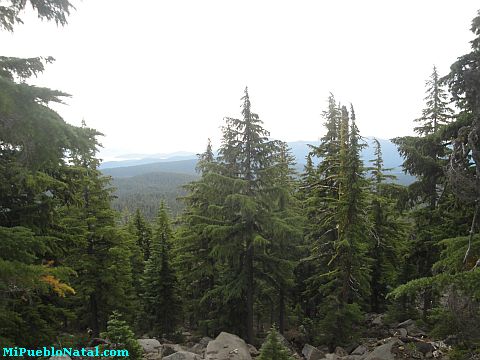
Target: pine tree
[(425, 157), (340, 251), (143, 233), (122, 337), (388, 232), (162, 307), (455, 273), (102, 251), (273, 349), (196, 264), (35, 144)]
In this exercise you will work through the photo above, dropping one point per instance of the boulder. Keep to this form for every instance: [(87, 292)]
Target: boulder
[(400, 332), (331, 357), (183, 355), (424, 347), (150, 345), (405, 323), (378, 320), (384, 352), (199, 348), (288, 345), (169, 349), (312, 353), (253, 350), (204, 341), (360, 350), (66, 357), (413, 330), (152, 356), (227, 347), (340, 351)]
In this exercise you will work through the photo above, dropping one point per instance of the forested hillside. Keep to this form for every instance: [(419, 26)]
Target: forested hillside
[(145, 192), (314, 255)]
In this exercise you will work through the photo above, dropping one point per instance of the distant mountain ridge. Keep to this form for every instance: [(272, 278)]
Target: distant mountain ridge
[(143, 182), (184, 163)]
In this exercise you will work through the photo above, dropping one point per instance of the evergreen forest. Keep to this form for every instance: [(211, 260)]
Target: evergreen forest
[(258, 249)]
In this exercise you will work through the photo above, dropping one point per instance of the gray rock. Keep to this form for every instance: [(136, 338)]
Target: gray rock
[(405, 323), (353, 357), (169, 349), (331, 357), (153, 356), (204, 341), (401, 332), (312, 353), (150, 345), (227, 347), (424, 347), (253, 350), (66, 357), (287, 344), (383, 352), (340, 351), (413, 330), (360, 350), (183, 355), (378, 320), (197, 349)]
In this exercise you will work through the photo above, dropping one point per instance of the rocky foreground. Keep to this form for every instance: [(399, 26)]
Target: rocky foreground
[(394, 342), (398, 341)]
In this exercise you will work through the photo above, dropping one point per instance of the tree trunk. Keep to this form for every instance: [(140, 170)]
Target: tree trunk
[(94, 313), (249, 264), (281, 309)]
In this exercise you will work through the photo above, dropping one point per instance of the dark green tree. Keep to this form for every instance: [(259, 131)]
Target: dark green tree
[(161, 302), (389, 233), (273, 349), (425, 157), (122, 337), (56, 10), (340, 251), (196, 264), (102, 255)]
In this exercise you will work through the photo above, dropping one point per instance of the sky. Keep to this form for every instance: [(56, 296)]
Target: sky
[(160, 76)]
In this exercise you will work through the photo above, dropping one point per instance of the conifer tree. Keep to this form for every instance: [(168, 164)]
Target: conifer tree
[(273, 349), (121, 337), (196, 264), (162, 307), (143, 233), (425, 157), (102, 254), (388, 232), (340, 250)]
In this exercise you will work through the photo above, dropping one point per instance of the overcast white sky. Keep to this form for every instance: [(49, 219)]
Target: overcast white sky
[(159, 76)]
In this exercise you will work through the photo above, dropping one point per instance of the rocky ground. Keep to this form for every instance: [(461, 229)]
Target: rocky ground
[(393, 342)]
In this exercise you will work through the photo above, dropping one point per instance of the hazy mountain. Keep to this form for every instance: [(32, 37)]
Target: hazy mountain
[(144, 182), (141, 159), (179, 167), (184, 163)]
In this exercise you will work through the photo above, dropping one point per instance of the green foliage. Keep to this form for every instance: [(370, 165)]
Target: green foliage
[(122, 337), (273, 349), (145, 192), (340, 228), (161, 302), (56, 10)]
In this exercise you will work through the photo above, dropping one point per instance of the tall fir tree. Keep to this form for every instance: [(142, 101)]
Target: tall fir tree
[(340, 252), (388, 230), (425, 157), (161, 302)]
